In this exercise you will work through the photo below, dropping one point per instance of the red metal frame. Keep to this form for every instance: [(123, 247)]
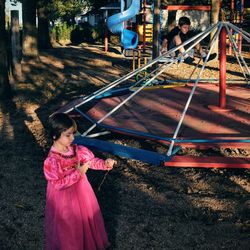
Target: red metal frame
[(208, 162), (187, 7)]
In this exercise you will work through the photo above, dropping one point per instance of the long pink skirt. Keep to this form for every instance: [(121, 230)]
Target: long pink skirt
[(73, 220)]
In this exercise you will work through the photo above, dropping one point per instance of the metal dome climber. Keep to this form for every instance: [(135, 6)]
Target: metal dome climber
[(128, 92)]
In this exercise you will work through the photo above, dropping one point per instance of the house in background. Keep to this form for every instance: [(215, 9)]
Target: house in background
[(16, 7), (110, 10), (94, 18)]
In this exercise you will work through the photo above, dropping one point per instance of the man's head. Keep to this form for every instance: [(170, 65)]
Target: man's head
[(184, 24)]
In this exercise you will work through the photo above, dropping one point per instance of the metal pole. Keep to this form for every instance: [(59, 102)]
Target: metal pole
[(215, 36), (248, 39), (133, 64), (236, 52), (139, 57), (106, 42), (222, 44), (241, 12), (196, 38), (124, 101), (232, 20), (144, 26)]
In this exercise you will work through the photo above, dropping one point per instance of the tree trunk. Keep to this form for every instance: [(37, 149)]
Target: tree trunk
[(215, 19), (43, 25), (30, 50), (171, 19), (5, 89), (156, 28), (15, 45)]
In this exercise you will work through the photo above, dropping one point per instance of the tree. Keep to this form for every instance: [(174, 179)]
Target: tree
[(29, 29), (43, 24), (215, 19), (156, 28), (66, 10), (5, 89)]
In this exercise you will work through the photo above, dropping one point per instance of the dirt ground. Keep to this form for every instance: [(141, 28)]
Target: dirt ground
[(144, 206)]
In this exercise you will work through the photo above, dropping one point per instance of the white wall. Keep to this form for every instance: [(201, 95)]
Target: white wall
[(199, 19), (9, 7)]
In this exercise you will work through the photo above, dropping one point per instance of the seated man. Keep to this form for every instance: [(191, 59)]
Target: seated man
[(179, 35)]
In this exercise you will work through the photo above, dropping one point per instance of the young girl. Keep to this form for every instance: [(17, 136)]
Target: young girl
[(73, 220)]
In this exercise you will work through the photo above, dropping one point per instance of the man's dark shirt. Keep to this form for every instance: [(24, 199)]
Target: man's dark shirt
[(174, 32)]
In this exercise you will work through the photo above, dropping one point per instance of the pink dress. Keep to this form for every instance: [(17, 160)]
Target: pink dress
[(73, 220)]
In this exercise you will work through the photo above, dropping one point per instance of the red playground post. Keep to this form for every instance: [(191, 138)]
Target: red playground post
[(223, 58), (222, 106)]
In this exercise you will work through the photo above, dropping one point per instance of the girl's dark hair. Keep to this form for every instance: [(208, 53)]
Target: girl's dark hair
[(58, 123), (184, 21)]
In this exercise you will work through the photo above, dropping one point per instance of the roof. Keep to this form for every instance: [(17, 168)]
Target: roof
[(111, 6)]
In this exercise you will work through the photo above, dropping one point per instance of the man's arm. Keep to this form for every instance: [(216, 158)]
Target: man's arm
[(164, 45)]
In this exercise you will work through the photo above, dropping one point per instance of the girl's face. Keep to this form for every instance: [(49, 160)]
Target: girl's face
[(184, 28), (66, 137)]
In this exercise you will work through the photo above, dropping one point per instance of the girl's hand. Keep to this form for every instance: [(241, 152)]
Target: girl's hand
[(109, 163), (83, 168)]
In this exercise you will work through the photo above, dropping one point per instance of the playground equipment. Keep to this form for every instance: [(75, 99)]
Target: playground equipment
[(137, 58), (236, 17), (145, 29), (167, 124), (115, 23)]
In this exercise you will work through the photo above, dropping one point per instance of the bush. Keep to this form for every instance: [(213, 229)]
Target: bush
[(61, 32), (97, 33), (114, 39), (77, 33), (85, 33)]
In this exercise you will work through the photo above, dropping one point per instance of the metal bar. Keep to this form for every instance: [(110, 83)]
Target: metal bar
[(236, 51), (133, 73), (192, 92), (98, 134), (204, 34), (204, 80), (168, 139), (244, 33), (123, 102), (241, 57)]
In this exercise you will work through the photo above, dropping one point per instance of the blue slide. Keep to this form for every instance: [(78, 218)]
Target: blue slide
[(129, 39)]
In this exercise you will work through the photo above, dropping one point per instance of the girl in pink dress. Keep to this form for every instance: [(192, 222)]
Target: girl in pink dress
[(73, 220)]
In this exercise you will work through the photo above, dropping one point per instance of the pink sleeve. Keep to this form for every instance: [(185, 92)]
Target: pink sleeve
[(85, 155), (54, 174)]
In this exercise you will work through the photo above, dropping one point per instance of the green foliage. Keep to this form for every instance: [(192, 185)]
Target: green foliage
[(77, 34), (114, 39), (66, 10), (97, 33), (87, 33), (61, 32)]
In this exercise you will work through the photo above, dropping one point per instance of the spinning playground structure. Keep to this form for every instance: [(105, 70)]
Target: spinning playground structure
[(176, 113)]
